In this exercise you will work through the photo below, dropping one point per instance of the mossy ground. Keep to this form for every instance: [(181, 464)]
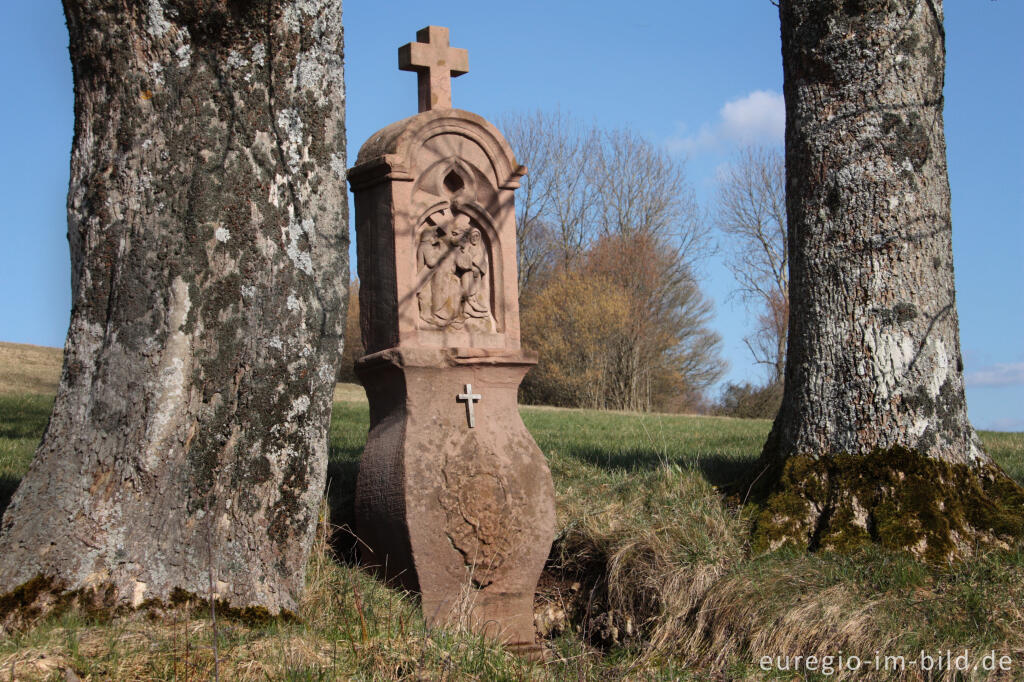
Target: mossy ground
[(897, 498), (652, 566)]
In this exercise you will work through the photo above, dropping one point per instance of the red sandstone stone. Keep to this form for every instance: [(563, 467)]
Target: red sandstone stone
[(435, 63), (461, 512)]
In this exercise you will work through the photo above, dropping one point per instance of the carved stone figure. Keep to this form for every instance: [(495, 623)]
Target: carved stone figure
[(437, 296), (452, 264), (474, 277)]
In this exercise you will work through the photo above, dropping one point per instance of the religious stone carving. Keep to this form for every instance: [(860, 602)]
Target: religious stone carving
[(454, 498), (452, 263), (480, 512), (435, 64)]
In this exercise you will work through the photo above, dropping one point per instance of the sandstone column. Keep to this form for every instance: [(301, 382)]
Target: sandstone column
[(454, 498)]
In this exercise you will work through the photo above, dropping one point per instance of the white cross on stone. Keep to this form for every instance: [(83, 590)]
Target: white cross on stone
[(435, 63), (470, 398)]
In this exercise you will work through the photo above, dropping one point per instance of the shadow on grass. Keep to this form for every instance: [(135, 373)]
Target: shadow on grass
[(8, 484), (721, 471), (342, 471), (729, 474), (610, 459), (24, 416)]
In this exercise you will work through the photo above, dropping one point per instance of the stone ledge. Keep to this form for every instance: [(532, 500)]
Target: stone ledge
[(445, 357)]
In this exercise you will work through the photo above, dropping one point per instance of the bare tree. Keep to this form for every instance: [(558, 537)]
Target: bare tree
[(555, 202), (751, 213), (667, 348), (353, 338), (872, 441), (577, 321), (640, 189), (602, 347), (207, 225), (639, 233)]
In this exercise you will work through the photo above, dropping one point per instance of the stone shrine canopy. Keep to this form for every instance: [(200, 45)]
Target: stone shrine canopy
[(435, 64), (435, 224)]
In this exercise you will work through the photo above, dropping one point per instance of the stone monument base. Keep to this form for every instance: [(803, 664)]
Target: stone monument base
[(454, 499)]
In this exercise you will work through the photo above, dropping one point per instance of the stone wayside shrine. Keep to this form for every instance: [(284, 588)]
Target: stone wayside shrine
[(454, 498)]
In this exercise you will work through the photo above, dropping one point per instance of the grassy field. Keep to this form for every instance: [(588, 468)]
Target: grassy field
[(29, 369), (650, 578)]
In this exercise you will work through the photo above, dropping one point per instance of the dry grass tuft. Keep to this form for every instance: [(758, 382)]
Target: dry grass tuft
[(868, 604), (644, 554), (656, 565), (29, 369)]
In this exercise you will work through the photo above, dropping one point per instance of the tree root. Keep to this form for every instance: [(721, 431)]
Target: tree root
[(897, 498)]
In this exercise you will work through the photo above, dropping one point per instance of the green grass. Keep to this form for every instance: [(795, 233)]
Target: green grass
[(22, 421), (650, 564), (1007, 449)]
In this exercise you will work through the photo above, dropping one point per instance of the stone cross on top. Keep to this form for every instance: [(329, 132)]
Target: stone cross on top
[(435, 63)]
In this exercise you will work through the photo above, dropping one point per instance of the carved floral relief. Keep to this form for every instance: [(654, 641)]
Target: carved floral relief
[(481, 515)]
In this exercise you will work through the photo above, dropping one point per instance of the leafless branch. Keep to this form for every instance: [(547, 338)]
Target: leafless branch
[(751, 215)]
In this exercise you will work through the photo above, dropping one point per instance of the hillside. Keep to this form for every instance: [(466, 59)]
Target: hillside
[(651, 577), (35, 370), (29, 369)]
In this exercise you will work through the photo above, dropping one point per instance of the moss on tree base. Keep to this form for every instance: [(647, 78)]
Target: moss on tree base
[(897, 498), (44, 596)]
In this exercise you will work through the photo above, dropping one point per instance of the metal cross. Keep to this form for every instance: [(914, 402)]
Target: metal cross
[(470, 398), (435, 63)]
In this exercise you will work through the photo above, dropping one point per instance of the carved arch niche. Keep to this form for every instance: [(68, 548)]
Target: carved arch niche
[(414, 180), (458, 273)]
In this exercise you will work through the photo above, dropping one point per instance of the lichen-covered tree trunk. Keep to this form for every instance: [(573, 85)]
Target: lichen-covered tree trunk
[(208, 232), (874, 377)]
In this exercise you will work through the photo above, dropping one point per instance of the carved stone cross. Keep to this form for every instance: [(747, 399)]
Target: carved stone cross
[(470, 398), (435, 63)]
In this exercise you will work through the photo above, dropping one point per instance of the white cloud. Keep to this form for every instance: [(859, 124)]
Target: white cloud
[(1000, 374), (761, 115), (758, 117)]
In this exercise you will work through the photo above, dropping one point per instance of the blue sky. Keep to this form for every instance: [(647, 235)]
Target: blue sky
[(699, 78)]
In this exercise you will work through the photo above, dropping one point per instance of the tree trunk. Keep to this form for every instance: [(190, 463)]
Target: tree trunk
[(873, 434), (207, 224)]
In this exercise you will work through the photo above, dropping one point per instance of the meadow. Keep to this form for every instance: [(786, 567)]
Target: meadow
[(650, 577)]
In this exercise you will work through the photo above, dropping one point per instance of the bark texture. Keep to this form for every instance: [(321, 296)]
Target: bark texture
[(207, 225), (874, 365), (874, 351)]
